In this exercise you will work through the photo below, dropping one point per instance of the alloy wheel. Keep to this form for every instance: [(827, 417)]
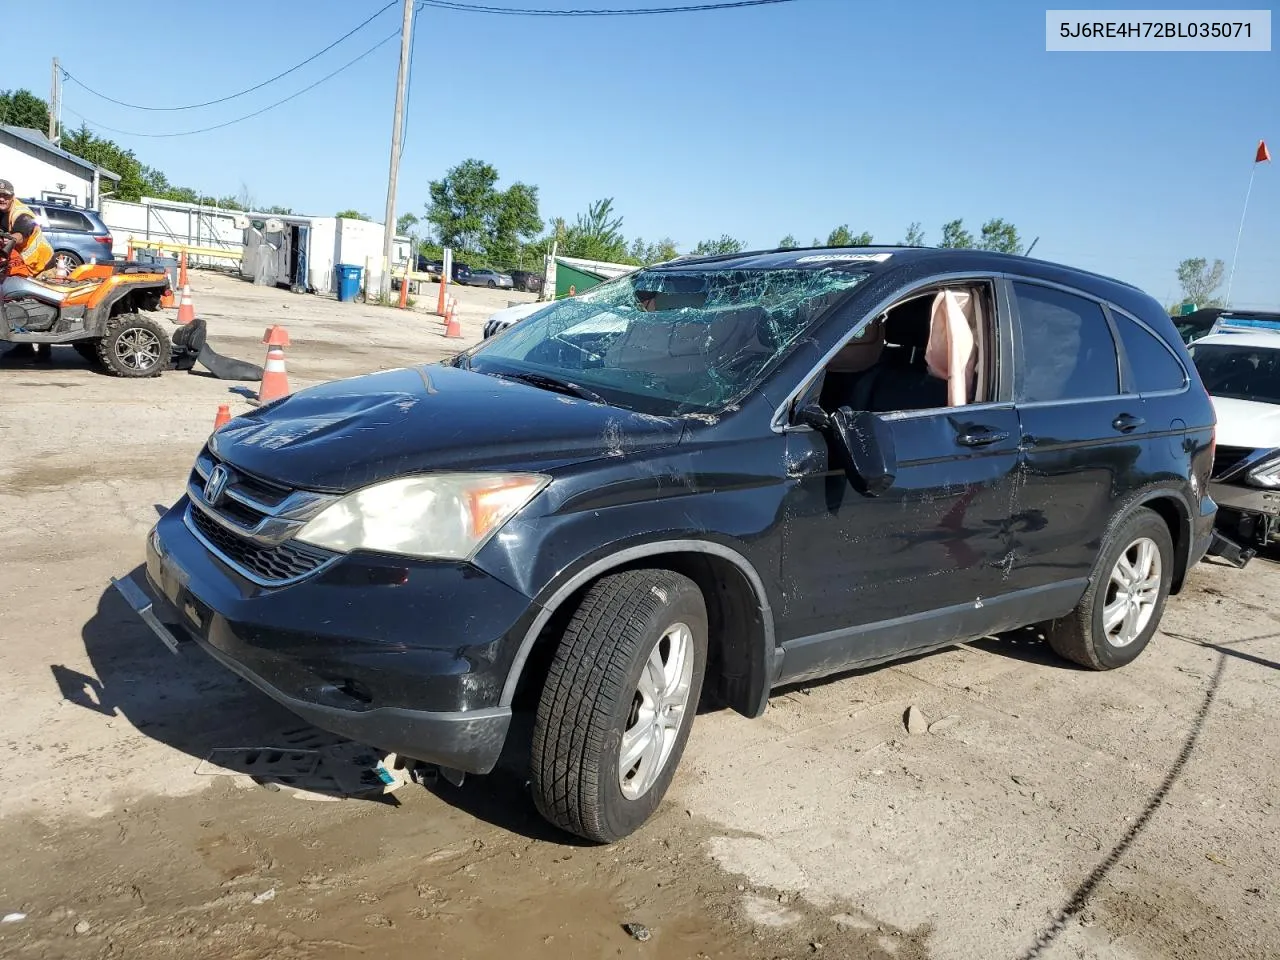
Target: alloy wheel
[(658, 708), (1132, 593)]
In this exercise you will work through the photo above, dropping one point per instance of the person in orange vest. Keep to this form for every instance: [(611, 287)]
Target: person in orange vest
[(31, 252)]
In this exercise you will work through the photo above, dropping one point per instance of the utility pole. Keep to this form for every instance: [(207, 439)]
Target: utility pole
[(55, 102), (397, 130)]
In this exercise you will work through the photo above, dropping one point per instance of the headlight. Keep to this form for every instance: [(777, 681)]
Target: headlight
[(1266, 473), (444, 516)]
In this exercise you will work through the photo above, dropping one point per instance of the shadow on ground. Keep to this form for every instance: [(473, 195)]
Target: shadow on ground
[(194, 705)]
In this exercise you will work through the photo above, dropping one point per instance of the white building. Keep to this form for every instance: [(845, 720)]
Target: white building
[(41, 171)]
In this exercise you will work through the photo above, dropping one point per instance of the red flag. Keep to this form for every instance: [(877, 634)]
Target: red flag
[(1263, 154)]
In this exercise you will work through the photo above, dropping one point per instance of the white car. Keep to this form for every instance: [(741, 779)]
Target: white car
[(506, 317), (1239, 362)]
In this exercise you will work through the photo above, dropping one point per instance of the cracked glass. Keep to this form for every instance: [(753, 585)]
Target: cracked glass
[(667, 342)]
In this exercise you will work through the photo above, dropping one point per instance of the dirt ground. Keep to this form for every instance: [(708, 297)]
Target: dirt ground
[(1046, 812)]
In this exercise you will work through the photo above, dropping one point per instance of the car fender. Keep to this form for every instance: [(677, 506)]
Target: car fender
[(564, 587), (1163, 490)]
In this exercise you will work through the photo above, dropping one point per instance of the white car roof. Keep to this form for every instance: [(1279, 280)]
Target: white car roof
[(1263, 339)]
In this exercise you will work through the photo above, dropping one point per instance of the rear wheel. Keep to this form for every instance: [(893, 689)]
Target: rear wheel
[(65, 260), (1121, 610), (135, 347), (618, 703)]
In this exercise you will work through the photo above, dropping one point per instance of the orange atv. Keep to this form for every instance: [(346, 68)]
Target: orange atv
[(98, 309)]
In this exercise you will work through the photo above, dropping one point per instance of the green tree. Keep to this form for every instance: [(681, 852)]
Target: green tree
[(788, 242), (595, 235), (22, 108), (955, 236), (514, 221), (711, 248), (472, 216), (406, 223), (915, 236), (643, 254), (842, 237), (1000, 236), (352, 215), (1199, 281), (462, 204)]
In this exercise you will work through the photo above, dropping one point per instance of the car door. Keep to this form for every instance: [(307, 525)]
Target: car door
[(866, 578), (1082, 436)]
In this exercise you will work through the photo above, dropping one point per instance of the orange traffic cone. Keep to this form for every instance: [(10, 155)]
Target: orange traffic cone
[(182, 269), (452, 327), (275, 382), (224, 414), (186, 306)]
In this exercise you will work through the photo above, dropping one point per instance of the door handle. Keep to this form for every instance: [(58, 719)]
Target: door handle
[(980, 437), (1127, 422)]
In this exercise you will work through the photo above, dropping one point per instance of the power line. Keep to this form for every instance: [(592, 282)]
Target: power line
[(209, 103), (248, 116), (629, 12)]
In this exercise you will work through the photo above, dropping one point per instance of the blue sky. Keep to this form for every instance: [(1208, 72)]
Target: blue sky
[(756, 122)]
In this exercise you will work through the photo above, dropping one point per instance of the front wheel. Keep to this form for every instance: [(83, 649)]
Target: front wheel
[(1120, 612), (492, 284), (135, 347), (619, 702)]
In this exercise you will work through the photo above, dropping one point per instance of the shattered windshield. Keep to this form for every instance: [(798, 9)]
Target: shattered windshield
[(1238, 371), (668, 342)]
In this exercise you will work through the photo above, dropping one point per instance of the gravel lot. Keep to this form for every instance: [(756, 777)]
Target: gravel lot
[(1043, 811)]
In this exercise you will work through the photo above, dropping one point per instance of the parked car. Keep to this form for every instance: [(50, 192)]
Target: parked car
[(77, 234), (506, 317), (1193, 326), (433, 268), (485, 277), (703, 479), (1239, 363), (527, 280), (460, 272)]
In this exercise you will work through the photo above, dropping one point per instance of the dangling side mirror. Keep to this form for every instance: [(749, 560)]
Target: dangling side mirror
[(862, 440), (867, 443)]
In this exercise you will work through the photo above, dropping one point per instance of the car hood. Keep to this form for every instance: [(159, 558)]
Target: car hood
[(346, 434), (1247, 423)]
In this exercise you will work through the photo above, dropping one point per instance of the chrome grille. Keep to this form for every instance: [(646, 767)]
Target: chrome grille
[(251, 523), (286, 563)]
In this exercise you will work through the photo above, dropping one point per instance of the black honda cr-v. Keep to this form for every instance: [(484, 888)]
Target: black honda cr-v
[(712, 477)]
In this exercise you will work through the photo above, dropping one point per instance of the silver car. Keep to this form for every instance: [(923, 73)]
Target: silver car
[(489, 278)]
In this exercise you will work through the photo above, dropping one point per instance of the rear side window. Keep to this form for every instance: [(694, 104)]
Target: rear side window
[(1066, 351), (1153, 366), (67, 220)]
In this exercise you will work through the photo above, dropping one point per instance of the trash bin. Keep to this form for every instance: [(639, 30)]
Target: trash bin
[(348, 281)]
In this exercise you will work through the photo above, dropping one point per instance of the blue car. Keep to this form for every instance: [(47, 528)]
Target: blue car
[(77, 234)]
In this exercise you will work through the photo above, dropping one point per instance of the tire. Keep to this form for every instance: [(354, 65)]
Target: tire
[(88, 350), (67, 258), (127, 337), (593, 695), (492, 284), (1083, 636)]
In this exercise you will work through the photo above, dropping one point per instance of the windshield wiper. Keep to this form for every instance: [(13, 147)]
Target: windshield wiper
[(553, 383)]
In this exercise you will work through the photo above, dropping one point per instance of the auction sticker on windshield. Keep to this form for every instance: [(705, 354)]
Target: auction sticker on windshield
[(846, 258)]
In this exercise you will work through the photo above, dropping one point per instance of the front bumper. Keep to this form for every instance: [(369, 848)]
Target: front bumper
[(406, 656), (1242, 499)]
